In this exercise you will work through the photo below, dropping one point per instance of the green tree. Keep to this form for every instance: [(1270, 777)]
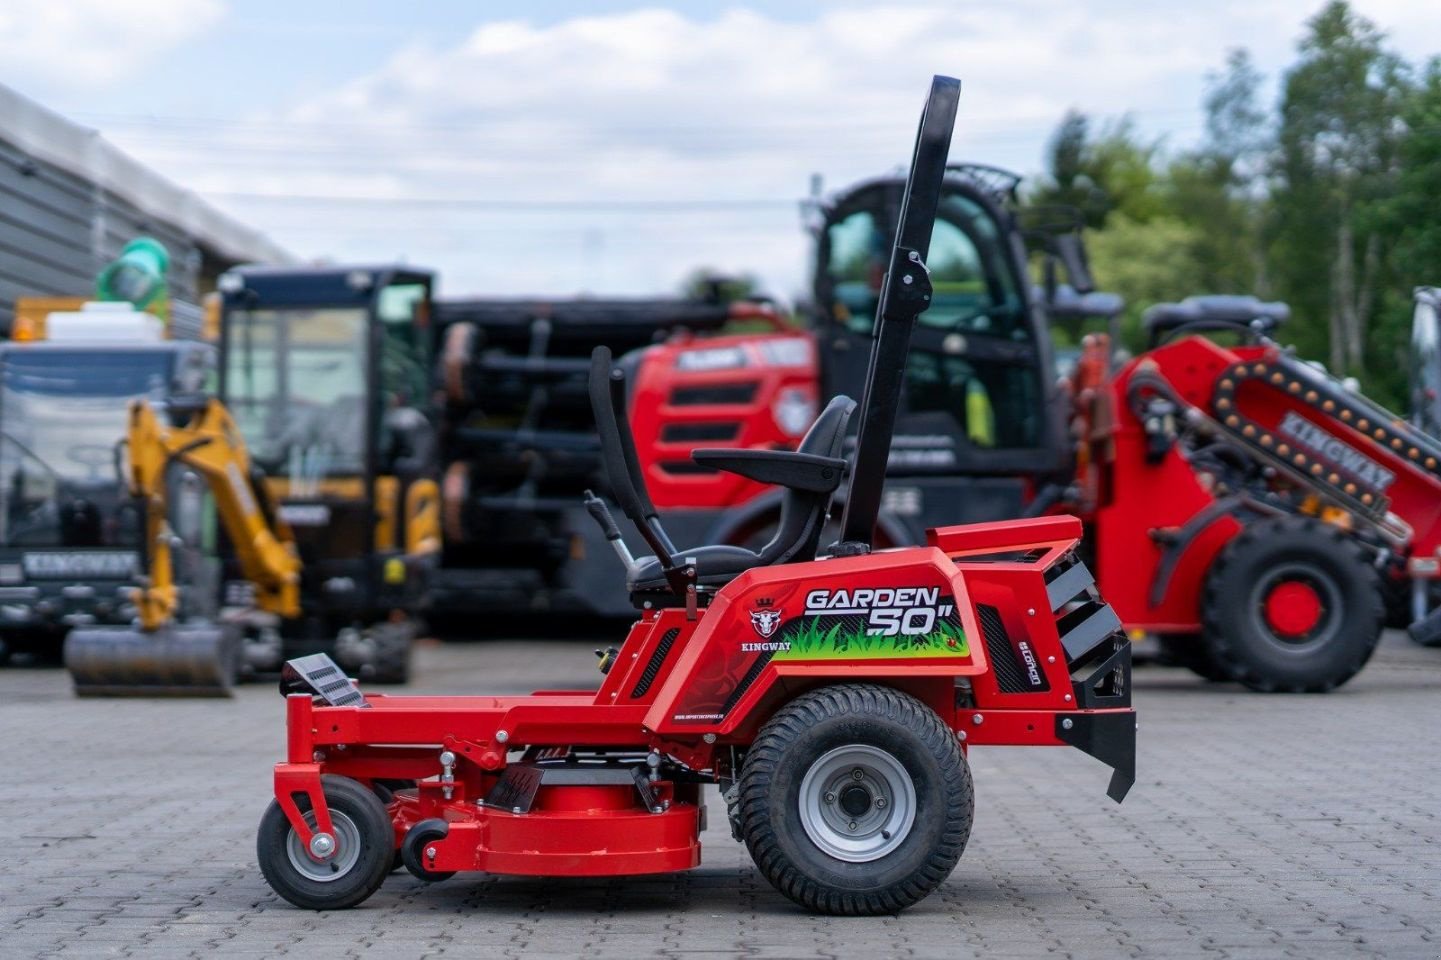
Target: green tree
[(1412, 218), (1337, 157), (1219, 188), (1096, 176), (1146, 263)]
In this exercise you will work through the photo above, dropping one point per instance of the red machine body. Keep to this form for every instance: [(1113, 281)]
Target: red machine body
[(756, 390), (929, 621)]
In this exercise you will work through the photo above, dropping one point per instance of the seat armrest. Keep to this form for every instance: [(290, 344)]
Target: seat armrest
[(785, 468)]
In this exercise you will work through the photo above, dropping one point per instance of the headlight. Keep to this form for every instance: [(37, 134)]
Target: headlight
[(787, 352), (794, 410)]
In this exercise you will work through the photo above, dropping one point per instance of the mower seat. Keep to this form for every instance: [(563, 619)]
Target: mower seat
[(810, 475)]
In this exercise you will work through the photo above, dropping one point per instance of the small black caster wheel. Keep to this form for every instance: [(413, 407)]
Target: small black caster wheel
[(336, 871), (412, 849)]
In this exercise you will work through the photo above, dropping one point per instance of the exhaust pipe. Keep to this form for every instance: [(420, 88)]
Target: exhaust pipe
[(178, 660)]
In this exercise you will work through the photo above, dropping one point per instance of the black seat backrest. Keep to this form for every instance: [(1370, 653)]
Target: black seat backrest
[(803, 513)]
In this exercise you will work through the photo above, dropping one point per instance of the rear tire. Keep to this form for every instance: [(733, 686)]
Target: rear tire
[(855, 800), (1292, 605), (364, 849)]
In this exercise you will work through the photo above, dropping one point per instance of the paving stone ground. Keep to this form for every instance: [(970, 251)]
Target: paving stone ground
[(1261, 826)]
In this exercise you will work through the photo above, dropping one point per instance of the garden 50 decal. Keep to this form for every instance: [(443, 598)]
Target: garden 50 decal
[(912, 611), (862, 624)]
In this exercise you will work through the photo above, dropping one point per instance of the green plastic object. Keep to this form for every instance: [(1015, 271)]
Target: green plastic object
[(137, 276)]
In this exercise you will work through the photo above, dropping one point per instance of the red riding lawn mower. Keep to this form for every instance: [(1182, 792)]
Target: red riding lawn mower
[(832, 699), (1240, 504)]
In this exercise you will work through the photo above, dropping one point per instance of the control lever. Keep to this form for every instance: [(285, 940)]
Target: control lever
[(602, 516)]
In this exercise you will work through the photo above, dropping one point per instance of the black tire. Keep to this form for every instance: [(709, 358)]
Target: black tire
[(1190, 651), (1286, 551), (393, 642), (412, 850), (791, 758), (358, 816)]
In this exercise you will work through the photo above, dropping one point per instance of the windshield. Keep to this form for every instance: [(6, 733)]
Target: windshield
[(62, 415), (974, 288), (295, 383)]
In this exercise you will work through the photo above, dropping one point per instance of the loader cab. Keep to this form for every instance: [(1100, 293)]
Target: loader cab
[(980, 399), (325, 372)]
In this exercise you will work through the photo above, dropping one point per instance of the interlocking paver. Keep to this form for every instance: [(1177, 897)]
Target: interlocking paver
[(1260, 827)]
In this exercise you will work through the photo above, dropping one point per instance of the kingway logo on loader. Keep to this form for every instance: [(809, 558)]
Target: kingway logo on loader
[(908, 611), (1308, 434)]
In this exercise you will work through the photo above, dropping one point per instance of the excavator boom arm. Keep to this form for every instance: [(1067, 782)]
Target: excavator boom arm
[(210, 445)]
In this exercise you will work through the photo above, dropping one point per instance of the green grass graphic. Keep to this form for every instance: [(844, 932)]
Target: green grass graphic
[(814, 641)]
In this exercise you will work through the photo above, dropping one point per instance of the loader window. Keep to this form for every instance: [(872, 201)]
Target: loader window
[(296, 385), (975, 291), (404, 311)]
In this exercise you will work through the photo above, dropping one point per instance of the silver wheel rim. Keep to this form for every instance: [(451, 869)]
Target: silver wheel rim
[(347, 850), (857, 803)]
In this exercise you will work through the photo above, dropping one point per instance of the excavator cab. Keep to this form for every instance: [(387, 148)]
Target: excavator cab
[(325, 373)]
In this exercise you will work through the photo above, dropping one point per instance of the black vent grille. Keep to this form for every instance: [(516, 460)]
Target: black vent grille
[(710, 430), (1009, 674), (716, 393), (653, 665)]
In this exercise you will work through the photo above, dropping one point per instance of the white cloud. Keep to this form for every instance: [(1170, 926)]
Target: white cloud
[(737, 106), (75, 44)]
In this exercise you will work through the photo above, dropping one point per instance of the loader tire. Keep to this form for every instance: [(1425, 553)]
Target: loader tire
[(855, 800), (365, 848), (1291, 605), (1192, 652)]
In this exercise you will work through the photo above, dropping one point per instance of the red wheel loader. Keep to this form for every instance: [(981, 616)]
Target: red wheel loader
[(1241, 504), (831, 698)]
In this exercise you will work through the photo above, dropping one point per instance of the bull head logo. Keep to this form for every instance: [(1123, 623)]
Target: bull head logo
[(765, 622)]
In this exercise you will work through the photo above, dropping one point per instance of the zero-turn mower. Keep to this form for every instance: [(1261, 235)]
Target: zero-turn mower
[(831, 698)]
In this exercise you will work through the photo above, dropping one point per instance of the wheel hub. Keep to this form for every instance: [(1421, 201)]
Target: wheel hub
[(328, 856), (857, 803), (322, 845), (1293, 608)]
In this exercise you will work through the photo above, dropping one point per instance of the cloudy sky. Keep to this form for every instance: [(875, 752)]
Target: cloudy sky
[(606, 146)]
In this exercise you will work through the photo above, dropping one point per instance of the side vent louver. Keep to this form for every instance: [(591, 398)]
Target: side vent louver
[(1098, 653)]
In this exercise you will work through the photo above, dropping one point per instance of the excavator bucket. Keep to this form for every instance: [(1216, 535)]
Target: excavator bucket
[(183, 660)]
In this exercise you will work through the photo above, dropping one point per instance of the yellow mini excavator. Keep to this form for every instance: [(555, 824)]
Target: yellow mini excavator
[(171, 648)]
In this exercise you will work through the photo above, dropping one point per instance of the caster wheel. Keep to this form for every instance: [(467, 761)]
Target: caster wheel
[(356, 864), (412, 849)]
